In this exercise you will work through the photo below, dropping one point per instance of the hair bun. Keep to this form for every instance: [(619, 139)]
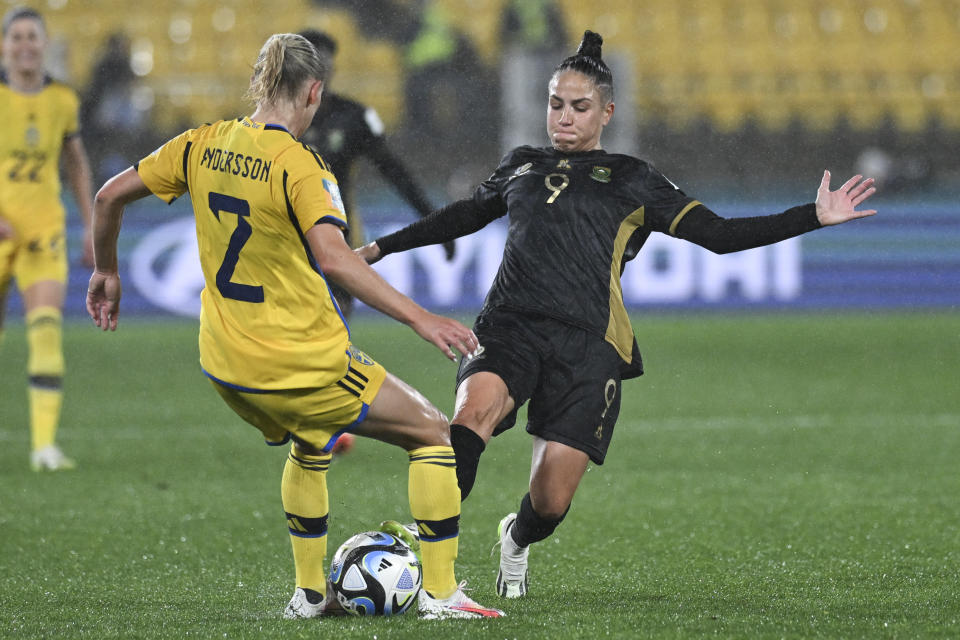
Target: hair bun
[(591, 45)]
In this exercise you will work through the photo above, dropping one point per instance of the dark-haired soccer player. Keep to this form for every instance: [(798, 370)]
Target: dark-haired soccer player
[(40, 129), (343, 131), (273, 342), (553, 329)]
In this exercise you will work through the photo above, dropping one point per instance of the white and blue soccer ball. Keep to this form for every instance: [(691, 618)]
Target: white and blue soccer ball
[(374, 573)]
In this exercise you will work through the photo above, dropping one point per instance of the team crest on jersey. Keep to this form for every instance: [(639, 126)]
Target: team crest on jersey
[(359, 356), (32, 136), (601, 174), (563, 164), (334, 192)]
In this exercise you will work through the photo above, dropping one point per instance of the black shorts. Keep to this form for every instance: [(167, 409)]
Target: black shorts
[(571, 377)]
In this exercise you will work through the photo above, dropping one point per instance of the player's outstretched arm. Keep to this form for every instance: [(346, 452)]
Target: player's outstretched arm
[(349, 270), (103, 290), (837, 207), (453, 221), (726, 235)]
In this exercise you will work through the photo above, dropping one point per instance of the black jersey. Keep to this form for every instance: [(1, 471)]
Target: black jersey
[(572, 218), (344, 130)]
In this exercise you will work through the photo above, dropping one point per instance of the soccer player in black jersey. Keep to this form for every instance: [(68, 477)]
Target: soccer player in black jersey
[(344, 130), (553, 330)]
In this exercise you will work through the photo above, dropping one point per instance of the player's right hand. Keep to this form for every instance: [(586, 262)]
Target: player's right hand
[(446, 334), (369, 252), (103, 299)]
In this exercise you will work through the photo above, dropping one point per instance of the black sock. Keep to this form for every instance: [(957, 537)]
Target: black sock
[(467, 446), (530, 527)]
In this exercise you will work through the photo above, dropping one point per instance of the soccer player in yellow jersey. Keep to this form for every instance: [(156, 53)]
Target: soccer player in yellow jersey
[(40, 129), (270, 228)]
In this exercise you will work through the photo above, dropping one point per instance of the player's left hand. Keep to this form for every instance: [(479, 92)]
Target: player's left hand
[(836, 207), (103, 299)]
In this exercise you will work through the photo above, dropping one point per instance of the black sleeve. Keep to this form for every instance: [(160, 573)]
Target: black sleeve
[(726, 235), (457, 219), (394, 171)]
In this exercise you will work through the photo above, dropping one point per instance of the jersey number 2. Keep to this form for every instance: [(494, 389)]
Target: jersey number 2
[(228, 204)]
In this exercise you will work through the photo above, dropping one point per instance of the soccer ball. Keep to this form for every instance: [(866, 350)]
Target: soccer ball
[(374, 573)]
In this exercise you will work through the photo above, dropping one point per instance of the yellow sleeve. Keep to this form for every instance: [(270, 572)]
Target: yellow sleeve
[(315, 198), (164, 170)]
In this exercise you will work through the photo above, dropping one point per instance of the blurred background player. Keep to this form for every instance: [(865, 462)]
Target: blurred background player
[(553, 329), (270, 229), (343, 131), (40, 118)]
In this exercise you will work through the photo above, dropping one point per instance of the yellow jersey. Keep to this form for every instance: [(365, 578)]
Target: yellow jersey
[(34, 128), (268, 320)]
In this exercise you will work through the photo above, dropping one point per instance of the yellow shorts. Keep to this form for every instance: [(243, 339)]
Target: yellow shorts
[(316, 416), (31, 260)]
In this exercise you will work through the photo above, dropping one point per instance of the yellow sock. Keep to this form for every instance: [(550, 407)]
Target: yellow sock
[(304, 493), (45, 370), (435, 505)]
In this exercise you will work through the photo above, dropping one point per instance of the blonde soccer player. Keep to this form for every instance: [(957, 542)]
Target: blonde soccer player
[(40, 131), (275, 346)]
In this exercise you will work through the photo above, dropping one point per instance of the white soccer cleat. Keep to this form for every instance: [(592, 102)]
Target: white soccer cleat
[(512, 576), (300, 607), (50, 458), (459, 605)]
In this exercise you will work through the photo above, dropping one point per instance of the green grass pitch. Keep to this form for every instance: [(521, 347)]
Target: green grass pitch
[(771, 476)]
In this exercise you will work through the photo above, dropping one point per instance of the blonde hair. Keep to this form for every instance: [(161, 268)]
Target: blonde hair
[(285, 62)]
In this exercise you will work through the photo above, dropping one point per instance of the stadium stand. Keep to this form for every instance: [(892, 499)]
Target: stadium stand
[(876, 70), (812, 60)]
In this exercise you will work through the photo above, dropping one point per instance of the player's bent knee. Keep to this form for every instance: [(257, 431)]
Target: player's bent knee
[(435, 432)]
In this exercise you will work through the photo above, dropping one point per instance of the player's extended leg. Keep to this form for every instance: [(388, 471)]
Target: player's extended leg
[(43, 301), (483, 401), (400, 415), (555, 474)]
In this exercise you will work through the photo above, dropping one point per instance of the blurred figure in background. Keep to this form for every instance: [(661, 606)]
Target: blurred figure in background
[(41, 128), (343, 131), (445, 84), (113, 122), (533, 35)]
